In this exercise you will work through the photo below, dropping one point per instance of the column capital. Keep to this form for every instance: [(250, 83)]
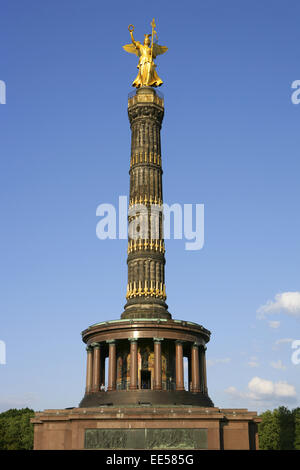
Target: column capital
[(89, 348), (158, 340), (111, 341), (95, 345), (179, 341), (196, 344), (132, 340)]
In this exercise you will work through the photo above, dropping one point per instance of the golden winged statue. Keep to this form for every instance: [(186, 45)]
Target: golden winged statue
[(147, 75)]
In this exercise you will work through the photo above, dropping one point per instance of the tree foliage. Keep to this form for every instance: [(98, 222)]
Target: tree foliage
[(280, 429), (268, 431), (16, 431), (297, 429)]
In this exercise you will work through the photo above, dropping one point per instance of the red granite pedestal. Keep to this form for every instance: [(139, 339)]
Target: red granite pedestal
[(143, 427)]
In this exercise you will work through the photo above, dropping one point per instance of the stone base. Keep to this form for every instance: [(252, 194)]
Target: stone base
[(145, 397), (146, 427)]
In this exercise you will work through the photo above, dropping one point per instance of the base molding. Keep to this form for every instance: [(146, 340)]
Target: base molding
[(151, 427), (145, 397)]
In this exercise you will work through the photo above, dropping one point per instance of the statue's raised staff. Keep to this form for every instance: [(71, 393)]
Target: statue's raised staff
[(146, 52)]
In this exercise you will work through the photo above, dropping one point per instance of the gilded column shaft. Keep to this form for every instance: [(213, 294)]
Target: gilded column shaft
[(146, 291)]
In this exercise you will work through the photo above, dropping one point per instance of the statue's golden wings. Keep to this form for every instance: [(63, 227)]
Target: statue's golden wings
[(158, 50), (131, 49)]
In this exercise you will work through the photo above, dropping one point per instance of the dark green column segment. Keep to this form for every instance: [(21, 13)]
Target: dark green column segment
[(146, 135), (142, 268), (145, 118), (146, 261), (145, 183)]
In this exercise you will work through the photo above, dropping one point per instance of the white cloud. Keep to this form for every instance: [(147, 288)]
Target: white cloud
[(278, 365), (232, 391), (265, 390), (235, 393), (282, 341), (274, 324), (27, 400), (253, 362), (283, 389), (287, 302), (212, 362), (260, 387)]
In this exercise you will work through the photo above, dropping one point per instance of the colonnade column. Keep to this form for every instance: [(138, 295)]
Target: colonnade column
[(179, 366), (201, 368), (89, 370), (133, 364), (157, 364), (195, 368), (204, 371), (112, 366), (102, 368), (96, 367)]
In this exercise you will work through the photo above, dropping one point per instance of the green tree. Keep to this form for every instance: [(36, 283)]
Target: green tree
[(286, 419), (297, 429), (268, 431), (280, 429), (16, 431)]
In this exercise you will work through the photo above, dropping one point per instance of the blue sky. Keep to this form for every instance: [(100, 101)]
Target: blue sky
[(230, 140)]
